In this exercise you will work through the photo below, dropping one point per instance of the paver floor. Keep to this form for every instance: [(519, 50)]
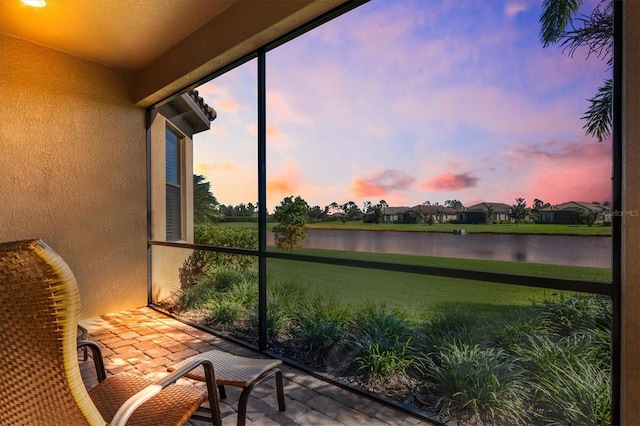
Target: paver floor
[(144, 341)]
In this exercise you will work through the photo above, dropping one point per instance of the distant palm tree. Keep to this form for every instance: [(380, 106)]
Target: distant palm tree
[(491, 212)]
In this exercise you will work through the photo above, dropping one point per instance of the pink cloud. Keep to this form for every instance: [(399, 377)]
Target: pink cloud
[(450, 182), (272, 131), (226, 104), (286, 182), (556, 172), (281, 111), (218, 97), (380, 183), (584, 149), (513, 8)]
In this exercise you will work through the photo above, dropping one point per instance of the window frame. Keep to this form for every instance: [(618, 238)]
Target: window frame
[(172, 186), (611, 289)]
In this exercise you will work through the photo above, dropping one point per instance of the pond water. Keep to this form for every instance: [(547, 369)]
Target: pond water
[(553, 249)]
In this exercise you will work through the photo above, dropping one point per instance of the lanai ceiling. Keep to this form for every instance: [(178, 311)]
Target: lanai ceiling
[(123, 34), (166, 45)]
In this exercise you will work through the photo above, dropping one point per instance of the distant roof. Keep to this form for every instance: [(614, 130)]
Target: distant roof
[(573, 206), (394, 210), (434, 209), (497, 207)]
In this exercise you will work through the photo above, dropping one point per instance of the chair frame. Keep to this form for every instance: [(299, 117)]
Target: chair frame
[(128, 408), (47, 305)]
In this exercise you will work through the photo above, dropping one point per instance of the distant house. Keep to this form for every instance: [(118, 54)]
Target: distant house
[(337, 216), (478, 213), (393, 214), (440, 213), (568, 213)]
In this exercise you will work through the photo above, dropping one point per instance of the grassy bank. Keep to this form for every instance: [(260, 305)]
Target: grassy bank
[(510, 228), (421, 295)]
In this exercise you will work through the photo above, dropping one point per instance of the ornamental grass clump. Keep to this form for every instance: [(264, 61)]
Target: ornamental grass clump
[(322, 325), (576, 313), (478, 386), (380, 324), (198, 295), (574, 391), (386, 362), (226, 311), (382, 341), (283, 299), (446, 326), (570, 377)]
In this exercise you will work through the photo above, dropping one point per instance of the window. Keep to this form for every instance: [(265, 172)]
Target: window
[(174, 187), (538, 303)]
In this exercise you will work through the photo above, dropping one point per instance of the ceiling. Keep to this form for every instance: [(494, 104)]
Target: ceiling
[(127, 35)]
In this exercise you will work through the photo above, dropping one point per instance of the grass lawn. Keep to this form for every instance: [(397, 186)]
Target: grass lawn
[(418, 295), (510, 228)]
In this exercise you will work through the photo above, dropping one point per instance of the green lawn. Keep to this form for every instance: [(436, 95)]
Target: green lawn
[(420, 295), (511, 228)]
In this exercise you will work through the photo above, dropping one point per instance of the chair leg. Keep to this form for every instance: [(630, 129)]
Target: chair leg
[(244, 396), (242, 406), (222, 392), (280, 390)]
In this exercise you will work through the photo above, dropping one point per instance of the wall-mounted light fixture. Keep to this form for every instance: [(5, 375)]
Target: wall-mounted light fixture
[(35, 3)]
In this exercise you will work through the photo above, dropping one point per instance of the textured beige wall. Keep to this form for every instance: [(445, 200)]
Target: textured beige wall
[(72, 169), (630, 394)]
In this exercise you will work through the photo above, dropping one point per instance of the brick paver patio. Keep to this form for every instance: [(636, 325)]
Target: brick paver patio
[(144, 341)]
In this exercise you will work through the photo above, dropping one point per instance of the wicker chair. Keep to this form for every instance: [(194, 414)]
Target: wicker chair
[(40, 381)]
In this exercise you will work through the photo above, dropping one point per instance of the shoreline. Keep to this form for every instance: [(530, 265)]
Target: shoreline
[(510, 229)]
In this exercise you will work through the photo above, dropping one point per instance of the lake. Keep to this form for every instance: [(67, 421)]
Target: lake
[(553, 249)]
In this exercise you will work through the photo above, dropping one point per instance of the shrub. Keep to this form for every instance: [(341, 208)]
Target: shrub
[(382, 339), (196, 296), (224, 278), (478, 386), (513, 335), (245, 292), (284, 297), (226, 311), (577, 313), (570, 378), (385, 362), (201, 262), (574, 391), (380, 324), (570, 365), (322, 322), (279, 321), (447, 326)]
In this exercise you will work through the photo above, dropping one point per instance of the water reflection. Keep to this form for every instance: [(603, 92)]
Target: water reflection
[(552, 249)]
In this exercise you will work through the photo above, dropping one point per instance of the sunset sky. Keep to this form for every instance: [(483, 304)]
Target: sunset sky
[(412, 101)]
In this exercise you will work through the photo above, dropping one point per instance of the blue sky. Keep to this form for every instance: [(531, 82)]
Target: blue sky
[(412, 101)]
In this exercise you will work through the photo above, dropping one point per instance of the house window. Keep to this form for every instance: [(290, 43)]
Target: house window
[(174, 187)]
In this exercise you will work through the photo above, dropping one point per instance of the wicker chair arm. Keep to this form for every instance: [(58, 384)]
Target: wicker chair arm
[(98, 361), (127, 409)]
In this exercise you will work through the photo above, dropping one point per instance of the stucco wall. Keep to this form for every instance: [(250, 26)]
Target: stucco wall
[(72, 169), (631, 224)]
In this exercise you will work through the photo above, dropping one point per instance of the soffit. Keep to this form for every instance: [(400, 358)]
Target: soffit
[(127, 35)]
